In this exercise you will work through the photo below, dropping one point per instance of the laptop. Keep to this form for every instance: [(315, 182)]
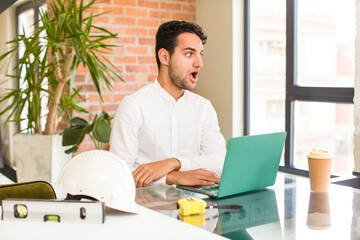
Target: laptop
[(251, 163)]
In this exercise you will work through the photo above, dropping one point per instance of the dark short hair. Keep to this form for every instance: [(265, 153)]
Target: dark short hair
[(166, 36)]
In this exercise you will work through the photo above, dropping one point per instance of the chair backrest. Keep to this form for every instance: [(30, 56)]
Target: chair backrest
[(27, 190)]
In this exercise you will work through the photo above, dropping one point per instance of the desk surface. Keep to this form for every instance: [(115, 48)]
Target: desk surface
[(118, 225), (287, 210)]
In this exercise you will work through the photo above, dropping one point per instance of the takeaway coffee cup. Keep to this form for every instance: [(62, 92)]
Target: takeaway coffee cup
[(320, 162)]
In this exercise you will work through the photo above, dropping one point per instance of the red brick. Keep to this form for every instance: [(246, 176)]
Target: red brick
[(118, 88), (147, 41), (80, 77), (129, 78), (126, 59), (182, 1), (159, 14), (171, 6), (148, 22), (116, 11), (96, 98), (152, 33), (110, 107), (134, 87), (143, 60), (125, 2), (88, 88), (136, 69), (148, 4), (118, 98), (136, 31), (125, 21), (116, 29), (120, 68), (183, 16), (81, 69), (136, 50), (136, 12), (94, 108), (126, 40), (102, 19), (79, 98), (188, 8)]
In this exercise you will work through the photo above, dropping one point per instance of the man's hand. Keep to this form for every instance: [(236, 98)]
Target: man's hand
[(149, 172), (193, 177)]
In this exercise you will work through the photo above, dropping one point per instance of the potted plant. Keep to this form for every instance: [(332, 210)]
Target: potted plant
[(46, 75)]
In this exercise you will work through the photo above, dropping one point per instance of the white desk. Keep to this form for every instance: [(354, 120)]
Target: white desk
[(147, 224)]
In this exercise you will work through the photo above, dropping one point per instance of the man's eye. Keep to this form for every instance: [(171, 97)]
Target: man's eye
[(188, 54)]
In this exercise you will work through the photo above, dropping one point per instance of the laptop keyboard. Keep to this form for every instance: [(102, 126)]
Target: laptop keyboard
[(210, 188)]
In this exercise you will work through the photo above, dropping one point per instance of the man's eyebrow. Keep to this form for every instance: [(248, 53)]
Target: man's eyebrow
[(193, 49), (189, 48)]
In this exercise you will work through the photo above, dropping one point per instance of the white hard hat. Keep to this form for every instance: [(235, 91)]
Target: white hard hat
[(101, 175)]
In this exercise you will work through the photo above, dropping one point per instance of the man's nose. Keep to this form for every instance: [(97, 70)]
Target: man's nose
[(198, 62)]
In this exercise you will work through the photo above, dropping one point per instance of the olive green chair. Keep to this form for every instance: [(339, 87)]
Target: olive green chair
[(27, 190)]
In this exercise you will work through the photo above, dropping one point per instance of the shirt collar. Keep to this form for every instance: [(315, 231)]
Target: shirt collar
[(163, 93)]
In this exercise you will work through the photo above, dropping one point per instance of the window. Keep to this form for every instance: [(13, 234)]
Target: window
[(300, 75), (27, 16)]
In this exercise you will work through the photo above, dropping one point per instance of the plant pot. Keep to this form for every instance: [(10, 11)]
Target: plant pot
[(39, 157)]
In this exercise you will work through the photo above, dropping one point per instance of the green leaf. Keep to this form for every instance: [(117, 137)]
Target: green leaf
[(72, 150), (73, 136), (79, 122), (102, 130)]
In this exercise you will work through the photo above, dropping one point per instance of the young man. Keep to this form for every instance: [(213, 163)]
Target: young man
[(164, 132)]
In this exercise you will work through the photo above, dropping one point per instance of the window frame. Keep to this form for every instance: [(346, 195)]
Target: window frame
[(294, 92)]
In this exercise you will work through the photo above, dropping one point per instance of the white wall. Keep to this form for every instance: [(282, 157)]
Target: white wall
[(7, 29), (221, 78), (357, 91)]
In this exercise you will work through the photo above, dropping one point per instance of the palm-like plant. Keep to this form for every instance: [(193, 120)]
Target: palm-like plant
[(66, 38)]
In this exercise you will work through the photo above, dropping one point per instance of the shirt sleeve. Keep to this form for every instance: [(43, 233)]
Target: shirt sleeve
[(212, 146), (123, 139)]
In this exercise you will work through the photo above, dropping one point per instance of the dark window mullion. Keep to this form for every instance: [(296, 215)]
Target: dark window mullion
[(291, 74), (331, 94), (246, 130)]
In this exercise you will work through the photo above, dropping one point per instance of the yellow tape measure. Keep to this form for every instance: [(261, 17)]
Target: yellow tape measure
[(189, 206)]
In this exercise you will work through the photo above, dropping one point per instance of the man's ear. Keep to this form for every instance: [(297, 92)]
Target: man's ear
[(164, 56)]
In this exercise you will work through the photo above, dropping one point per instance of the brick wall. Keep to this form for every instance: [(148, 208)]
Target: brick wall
[(136, 23)]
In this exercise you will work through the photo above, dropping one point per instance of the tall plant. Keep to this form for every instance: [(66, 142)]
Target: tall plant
[(66, 38)]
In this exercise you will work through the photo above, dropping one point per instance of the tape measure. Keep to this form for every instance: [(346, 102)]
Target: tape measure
[(36, 210), (190, 206)]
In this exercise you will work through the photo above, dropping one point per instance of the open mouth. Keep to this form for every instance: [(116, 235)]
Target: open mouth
[(194, 75)]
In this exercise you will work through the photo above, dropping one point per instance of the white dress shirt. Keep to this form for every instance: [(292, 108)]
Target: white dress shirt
[(150, 125)]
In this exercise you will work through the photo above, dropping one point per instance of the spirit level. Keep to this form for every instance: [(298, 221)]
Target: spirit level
[(34, 210)]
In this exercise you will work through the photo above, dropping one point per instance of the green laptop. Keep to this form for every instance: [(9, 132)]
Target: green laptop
[(251, 163)]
